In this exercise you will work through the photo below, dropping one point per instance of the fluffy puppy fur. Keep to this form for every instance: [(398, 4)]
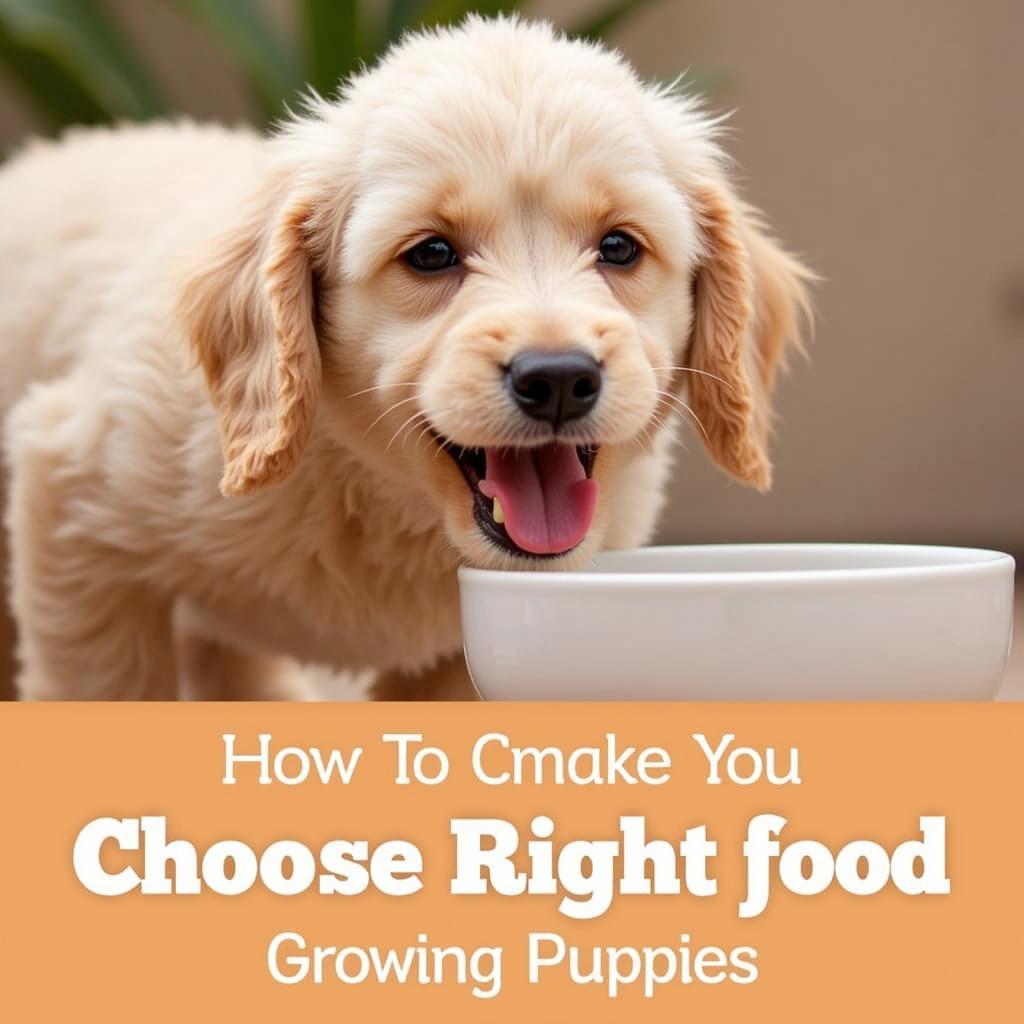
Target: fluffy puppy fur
[(233, 403)]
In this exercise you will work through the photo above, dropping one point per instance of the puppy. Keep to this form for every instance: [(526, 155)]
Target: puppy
[(266, 395)]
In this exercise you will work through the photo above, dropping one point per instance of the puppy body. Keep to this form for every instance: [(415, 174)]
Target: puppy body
[(210, 370), (119, 453)]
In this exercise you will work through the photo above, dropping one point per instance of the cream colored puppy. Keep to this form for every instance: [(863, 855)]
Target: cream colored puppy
[(266, 395)]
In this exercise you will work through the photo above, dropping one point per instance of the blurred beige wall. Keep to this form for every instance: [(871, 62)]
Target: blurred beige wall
[(885, 142)]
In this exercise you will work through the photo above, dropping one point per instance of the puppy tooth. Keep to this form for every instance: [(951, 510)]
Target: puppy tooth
[(498, 513)]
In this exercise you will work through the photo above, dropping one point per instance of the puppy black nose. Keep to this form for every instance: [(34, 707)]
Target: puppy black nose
[(554, 386)]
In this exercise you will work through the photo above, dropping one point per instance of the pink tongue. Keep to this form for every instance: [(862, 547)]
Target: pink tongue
[(545, 495)]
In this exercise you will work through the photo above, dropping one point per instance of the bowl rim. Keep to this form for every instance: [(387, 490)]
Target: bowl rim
[(968, 561)]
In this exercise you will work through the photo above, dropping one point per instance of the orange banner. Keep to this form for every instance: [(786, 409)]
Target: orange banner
[(314, 862)]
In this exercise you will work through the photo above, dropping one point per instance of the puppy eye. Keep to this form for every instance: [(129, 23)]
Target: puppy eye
[(432, 255), (618, 249)]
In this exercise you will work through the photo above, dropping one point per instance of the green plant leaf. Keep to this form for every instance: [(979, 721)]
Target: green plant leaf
[(402, 15), (335, 42), (410, 15), (56, 96), (447, 12), (708, 83), (598, 25), (269, 63), (96, 63)]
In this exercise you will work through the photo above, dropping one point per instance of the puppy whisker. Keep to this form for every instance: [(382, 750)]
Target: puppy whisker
[(419, 414), (428, 428), (444, 445), (390, 409), (702, 373), (675, 400), (382, 387), (645, 442)]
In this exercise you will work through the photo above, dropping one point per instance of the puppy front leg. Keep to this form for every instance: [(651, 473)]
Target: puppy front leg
[(81, 634), (88, 628), (447, 680), (7, 632), (213, 669), (89, 643)]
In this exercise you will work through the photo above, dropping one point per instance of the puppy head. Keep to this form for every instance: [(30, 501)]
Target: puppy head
[(497, 269)]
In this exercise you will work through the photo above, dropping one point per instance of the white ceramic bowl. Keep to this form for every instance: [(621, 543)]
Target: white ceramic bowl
[(745, 622)]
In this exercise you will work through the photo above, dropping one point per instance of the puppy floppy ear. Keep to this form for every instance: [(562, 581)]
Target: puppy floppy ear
[(247, 305), (749, 298)]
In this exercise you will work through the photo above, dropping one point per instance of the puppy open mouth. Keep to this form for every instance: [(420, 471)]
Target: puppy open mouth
[(531, 502)]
